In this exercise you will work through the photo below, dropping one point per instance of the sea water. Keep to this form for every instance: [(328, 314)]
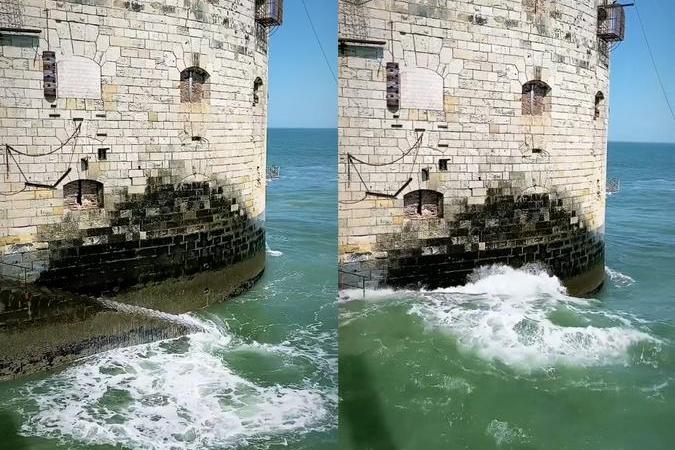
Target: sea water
[(510, 361), (259, 371)]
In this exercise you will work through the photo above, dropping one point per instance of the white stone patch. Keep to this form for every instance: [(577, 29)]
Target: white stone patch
[(78, 77), (421, 89)]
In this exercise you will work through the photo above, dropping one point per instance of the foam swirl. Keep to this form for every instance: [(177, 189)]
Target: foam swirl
[(523, 318)]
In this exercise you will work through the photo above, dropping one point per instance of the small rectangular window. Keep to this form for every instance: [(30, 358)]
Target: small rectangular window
[(102, 154), (443, 165)]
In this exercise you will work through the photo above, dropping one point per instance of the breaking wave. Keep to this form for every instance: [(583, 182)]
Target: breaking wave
[(525, 319), (619, 279), (274, 253), (176, 394)]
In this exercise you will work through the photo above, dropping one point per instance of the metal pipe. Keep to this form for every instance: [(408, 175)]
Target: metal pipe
[(20, 30)]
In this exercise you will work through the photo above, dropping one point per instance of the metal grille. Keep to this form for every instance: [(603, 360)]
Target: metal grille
[(49, 75), (611, 23), (11, 14), (393, 87), (269, 13)]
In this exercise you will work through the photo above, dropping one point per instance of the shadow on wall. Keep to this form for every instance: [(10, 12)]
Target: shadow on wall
[(9, 434)]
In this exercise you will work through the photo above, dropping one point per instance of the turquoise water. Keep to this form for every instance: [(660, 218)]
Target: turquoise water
[(511, 362), (263, 374)]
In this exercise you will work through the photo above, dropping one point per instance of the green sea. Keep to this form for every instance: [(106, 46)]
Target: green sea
[(262, 373), (510, 361)]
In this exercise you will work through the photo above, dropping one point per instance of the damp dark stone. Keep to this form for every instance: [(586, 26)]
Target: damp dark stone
[(134, 6), (477, 20), (507, 229), (168, 232)]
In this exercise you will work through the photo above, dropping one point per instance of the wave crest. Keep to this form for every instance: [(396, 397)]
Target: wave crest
[(172, 394), (523, 318)]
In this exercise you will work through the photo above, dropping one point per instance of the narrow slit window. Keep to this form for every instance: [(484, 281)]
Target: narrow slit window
[(599, 100), (193, 85), (425, 174), (256, 90), (535, 98), (393, 87)]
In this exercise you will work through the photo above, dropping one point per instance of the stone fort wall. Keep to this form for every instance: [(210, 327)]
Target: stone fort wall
[(133, 139), (471, 133)]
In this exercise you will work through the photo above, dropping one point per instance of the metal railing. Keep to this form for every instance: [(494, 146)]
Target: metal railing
[(14, 272), (273, 172), (613, 186), (269, 13), (612, 22), (352, 280)]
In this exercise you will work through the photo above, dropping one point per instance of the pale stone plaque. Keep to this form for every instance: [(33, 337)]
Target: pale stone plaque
[(421, 89), (79, 77)]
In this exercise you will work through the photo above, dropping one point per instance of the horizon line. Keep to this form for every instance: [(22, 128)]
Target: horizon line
[(335, 128)]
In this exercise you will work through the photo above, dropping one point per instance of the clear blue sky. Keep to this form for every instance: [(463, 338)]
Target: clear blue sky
[(303, 93), (638, 110)]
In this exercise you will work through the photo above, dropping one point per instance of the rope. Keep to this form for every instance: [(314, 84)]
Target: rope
[(656, 69), (318, 41)]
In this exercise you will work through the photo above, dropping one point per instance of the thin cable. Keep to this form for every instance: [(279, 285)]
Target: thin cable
[(415, 145), (656, 69), (318, 41), (18, 152), (13, 193)]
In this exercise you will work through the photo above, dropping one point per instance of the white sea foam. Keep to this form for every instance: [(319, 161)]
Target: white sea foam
[(186, 320), (372, 295), (619, 279), (504, 434), (274, 253), (523, 318), (176, 394)]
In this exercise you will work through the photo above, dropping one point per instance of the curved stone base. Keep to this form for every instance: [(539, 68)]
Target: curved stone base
[(587, 283), (58, 328)]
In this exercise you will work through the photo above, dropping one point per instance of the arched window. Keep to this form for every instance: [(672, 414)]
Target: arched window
[(256, 90), (535, 98), (423, 204), (599, 99), (83, 194), (193, 85)]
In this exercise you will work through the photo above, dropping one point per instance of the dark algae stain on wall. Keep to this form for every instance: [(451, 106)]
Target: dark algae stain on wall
[(507, 229)]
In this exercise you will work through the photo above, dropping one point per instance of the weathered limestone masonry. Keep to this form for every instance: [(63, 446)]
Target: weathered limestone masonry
[(473, 133), (133, 139)]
